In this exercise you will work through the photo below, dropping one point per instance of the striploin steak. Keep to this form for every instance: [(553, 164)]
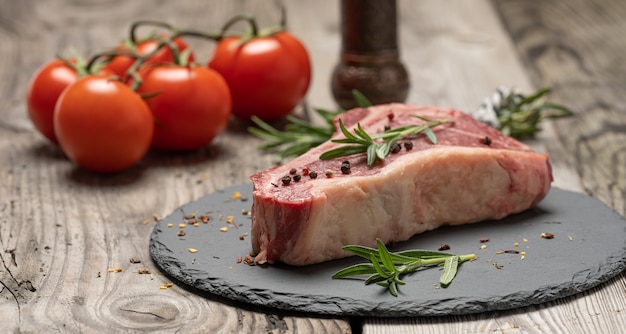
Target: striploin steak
[(306, 210)]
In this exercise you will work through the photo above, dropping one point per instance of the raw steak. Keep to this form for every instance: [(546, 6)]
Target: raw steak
[(474, 173)]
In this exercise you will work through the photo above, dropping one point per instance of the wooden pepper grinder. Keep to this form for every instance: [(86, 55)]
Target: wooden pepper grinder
[(370, 57)]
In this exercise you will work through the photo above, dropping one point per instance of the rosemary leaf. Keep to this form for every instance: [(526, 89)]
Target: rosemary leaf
[(450, 267), (385, 257), (360, 99), (356, 270)]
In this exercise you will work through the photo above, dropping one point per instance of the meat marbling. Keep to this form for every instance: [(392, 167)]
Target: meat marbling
[(464, 178)]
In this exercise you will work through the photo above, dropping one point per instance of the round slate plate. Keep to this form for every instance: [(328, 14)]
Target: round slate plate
[(588, 248)]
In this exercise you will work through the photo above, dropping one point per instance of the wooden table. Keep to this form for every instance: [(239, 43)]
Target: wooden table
[(61, 228)]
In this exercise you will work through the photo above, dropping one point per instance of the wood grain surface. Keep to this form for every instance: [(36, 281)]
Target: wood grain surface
[(63, 228)]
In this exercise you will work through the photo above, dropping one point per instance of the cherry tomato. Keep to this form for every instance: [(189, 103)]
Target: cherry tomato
[(191, 105), (43, 92), (120, 64), (102, 124), (268, 76)]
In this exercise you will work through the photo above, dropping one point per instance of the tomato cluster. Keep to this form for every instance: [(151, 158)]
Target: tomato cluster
[(108, 112)]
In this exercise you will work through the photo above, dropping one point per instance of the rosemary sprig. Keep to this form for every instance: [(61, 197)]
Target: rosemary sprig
[(386, 269), (378, 146), (520, 115), (298, 136)]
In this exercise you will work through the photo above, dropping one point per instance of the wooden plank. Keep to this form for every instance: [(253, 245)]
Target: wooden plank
[(61, 228), (576, 48)]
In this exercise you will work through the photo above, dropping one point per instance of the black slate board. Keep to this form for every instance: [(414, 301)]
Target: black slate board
[(588, 248)]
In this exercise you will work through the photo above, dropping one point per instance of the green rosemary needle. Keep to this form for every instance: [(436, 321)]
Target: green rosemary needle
[(386, 269), (378, 146)]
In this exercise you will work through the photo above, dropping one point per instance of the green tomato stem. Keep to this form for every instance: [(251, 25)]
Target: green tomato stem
[(137, 24)]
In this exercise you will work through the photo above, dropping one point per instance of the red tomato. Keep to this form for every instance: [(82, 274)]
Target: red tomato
[(43, 92), (191, 105), (268, 76), (103, 125), (120, 64)]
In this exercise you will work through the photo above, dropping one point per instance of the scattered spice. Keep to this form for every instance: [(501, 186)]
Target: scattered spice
[(516, 244), (443, 247), (483, 246), (286, 179), (192, 250), (569, 237), (313, 175), (297, 177), (483, 240), (182, 225), (345, 167), (223, 229), (180, 233), (507, 251), (239, 259), (486, 141), (274, 184), (249, 260), (305, 171), (523, 255), (408, 145), (236, 195), (144, 271), (134, 260), (293, 171), (329, 173), (170, 225), (547, 235), (243, 236), (189, 216), (387, 128)]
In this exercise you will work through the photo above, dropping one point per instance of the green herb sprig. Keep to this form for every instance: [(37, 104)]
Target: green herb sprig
[(298, 136), (386, 269), (520, 115), (378, 146)]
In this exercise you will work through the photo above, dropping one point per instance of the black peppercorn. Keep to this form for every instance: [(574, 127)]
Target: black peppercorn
[(313, 174), (396, 147), (345, 167), (408, 145), (286, 179), (297, 177), (293, 171)]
